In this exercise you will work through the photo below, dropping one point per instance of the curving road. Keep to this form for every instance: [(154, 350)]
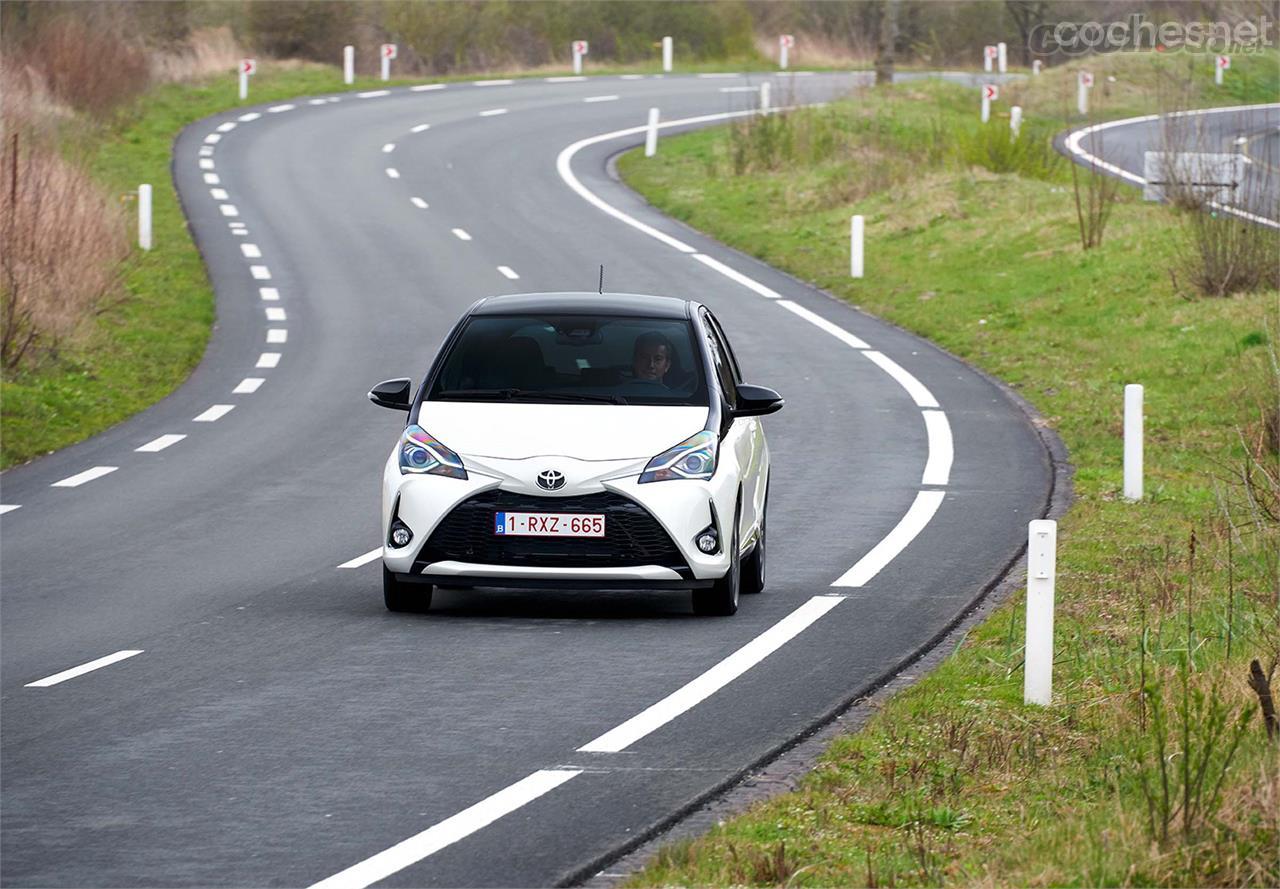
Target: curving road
[(1253, 131), (264, 720)]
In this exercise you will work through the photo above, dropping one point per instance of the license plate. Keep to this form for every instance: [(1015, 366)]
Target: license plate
[(548, 524)]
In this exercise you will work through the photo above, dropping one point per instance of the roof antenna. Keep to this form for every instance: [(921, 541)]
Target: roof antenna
[(602, 278)]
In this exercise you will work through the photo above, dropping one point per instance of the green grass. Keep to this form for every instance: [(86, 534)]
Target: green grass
[(956, 781)]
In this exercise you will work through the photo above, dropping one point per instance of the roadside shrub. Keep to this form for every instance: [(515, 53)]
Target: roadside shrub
[(61, 242), (86, 63), (993, 147)]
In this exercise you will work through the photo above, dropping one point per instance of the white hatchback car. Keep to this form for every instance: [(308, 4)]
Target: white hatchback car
[(578, 441)]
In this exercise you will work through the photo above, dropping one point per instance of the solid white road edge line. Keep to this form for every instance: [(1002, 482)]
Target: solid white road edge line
[(75, 481), (937, 470), (916, 389), (714, 679), (884, 552), (734, 275), (823, 324), (449, 831), (213, 414), (1073, 145), (82, 669), (362, 560), (159, 444), (924, 507)]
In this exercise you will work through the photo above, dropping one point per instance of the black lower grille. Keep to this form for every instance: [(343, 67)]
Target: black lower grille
[(632, 535)]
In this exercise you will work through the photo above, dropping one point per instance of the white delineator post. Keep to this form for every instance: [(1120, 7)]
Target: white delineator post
[(1035, 67), (764, 97), (348, 65), (1015, 121), (651, 134), (1220, 64), (389, 52), (856, 226), (248, 67), (990, 92), (1133, 442), (988, 56), (667, 50), (784, 44), (1084, 80), (144, 217), (579, 50), (1042, 544), (1002, 57)]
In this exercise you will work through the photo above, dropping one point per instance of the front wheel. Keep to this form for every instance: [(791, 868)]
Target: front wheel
[(721, 600), (414, 598)]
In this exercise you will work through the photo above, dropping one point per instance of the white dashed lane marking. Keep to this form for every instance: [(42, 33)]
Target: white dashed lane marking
[(260, 272), (159, 444), (373, 94), (388, 148), (508, 272), (493, 112), (206, 163), (276, 109), (419, 203), (9, 507), (248, 386), (80, 478), (274, 313), (226, 127), (228, 209), (219, 194), (250, 251), (461, 234), (393, 173), (269, 293), (82, 669), (277, 335), (213, 414), (268, 359), (493, 82), (420, 128), (600, 99), (212, 179), (252, 115), (422, 88)]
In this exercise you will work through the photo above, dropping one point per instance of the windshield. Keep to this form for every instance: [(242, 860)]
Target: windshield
[(572, 358)]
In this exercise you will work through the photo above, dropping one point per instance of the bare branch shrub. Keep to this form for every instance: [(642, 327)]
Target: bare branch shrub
[(61, 242)]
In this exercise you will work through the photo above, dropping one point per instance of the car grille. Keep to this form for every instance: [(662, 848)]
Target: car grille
[(632, 535)]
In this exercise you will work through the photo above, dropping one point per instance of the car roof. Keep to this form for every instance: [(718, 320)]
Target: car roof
[(571, 303)]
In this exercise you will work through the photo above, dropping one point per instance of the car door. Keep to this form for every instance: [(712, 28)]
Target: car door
[(744, 435)]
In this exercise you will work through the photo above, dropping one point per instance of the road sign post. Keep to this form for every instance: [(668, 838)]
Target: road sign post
[(348, 65), (990, 92), (785, 42), (988, 57), (1084, 83), (580, 49), (1042, 544), (248, 68), (1220, 65), (388, 52)]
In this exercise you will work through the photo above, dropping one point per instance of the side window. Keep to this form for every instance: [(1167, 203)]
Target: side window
[(724, 371), (725, 347)]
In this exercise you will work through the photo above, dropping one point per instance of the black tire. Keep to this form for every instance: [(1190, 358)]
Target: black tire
[(721, 600), (413, 598), (753, 567)]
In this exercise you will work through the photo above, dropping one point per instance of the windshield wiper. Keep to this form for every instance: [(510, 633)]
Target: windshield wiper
[(522, 394)]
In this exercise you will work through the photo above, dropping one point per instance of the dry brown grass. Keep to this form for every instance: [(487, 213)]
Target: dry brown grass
[(205, 52), (819, 51), (61, 243)]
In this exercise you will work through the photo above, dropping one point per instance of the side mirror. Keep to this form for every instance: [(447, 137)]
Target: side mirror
[(756, 401), (394, 394)]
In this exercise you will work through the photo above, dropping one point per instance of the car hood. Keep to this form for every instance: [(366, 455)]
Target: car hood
[(581, 431)]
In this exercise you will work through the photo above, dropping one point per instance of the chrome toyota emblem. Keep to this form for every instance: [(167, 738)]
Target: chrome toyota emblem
[(550, 480)]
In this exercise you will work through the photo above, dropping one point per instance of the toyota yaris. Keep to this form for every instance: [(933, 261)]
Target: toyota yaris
[(578, 440)]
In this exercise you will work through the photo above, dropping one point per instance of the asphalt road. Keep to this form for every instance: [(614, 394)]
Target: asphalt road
[(279, 725), (1119, 146)]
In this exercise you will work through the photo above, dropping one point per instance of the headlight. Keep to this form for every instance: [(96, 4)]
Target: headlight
[(695, 457), (421, 454)]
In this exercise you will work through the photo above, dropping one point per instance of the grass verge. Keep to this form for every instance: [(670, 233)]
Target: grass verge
[(1152, 767)]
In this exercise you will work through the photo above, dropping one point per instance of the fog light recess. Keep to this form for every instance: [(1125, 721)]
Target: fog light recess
[(400, 535), (708, 541)]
